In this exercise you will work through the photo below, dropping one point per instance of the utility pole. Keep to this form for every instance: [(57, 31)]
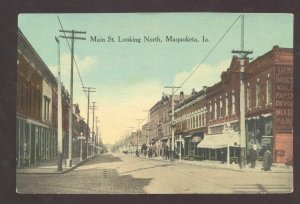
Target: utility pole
[(130, 134), (148, 128), (59, 111), (72, 37), (93, 133), (172, 122), (88, 90), (137, 136), (242, 57), (98, 137)]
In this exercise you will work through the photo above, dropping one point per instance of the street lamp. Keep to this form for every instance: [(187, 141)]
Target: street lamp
[(81, 138)]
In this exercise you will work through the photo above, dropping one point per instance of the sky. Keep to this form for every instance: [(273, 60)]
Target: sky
[(130, 77)]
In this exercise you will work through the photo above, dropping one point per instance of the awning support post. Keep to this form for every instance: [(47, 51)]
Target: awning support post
[(228, 155)]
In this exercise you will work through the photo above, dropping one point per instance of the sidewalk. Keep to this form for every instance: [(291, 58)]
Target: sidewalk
[(276, 168), (49, 167)]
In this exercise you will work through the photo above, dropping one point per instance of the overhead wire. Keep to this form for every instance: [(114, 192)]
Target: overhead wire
[(203, 60)]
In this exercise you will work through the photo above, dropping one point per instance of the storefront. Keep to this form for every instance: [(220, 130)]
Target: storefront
[(190, 144), (35, 142), (220, 147), (259, 131)]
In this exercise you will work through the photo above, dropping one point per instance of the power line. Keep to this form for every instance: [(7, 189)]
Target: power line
[(217, 43)]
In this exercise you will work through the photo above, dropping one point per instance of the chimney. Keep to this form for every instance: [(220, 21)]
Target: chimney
[(193, 92), (181, 95)]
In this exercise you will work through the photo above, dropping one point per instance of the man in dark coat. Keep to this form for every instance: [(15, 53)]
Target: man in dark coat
[(267, 160), (253, 155)]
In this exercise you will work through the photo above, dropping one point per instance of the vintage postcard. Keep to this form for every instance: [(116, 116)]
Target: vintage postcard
[(154, 103)]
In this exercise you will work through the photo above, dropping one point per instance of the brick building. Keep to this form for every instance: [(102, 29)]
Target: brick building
[(268, 108), (190, 121), (269, 103), (160, 120), (36, 109)]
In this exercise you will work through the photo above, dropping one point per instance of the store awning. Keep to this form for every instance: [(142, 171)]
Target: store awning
[(188, 136), (196, 139), (219, 141), (164, 138)]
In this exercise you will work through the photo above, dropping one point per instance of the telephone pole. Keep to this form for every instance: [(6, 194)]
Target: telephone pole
[(130, 136), (242, 57), (59, 111), (88, 90), (148, 128), (98, 137), (172, 122), (137, 136), (72, 37), (93, 133)]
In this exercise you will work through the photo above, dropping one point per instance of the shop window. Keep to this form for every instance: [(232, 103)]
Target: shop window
[(268, 126)]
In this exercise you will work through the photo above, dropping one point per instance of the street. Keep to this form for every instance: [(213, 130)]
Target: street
[(125, 174)]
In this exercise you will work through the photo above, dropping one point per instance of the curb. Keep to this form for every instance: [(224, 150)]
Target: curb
[(216, 167), (57, 172)]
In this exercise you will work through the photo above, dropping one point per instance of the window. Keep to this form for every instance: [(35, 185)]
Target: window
[(226, 105), (221, 107), (233, 103), (257, 93), (248, 96), (269, 90), (210, 110), (201, 119), (216, 113), (204, 117)]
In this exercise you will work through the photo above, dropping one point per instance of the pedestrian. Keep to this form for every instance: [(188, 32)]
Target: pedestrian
[(253, 155), (167, 152), (267, 162), (137, 153)]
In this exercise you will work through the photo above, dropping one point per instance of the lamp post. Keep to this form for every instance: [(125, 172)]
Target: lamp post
[(180, 141), (81, 138)]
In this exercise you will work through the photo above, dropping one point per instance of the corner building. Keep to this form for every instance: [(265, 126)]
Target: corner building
[(269, 103)]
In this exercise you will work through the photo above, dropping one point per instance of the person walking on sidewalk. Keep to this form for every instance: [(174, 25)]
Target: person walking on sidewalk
[(253, 155), (267, 163)]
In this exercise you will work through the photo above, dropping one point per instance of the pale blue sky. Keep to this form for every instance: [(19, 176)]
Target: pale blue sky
[(124, 72)]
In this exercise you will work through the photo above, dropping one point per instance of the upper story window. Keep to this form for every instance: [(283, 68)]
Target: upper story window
[(216, 113), (221, 107), (204, 117), (269, 89), (46, 108), (210, 110), (233, 103), (257, 93), (226, 105), (248, 96)]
